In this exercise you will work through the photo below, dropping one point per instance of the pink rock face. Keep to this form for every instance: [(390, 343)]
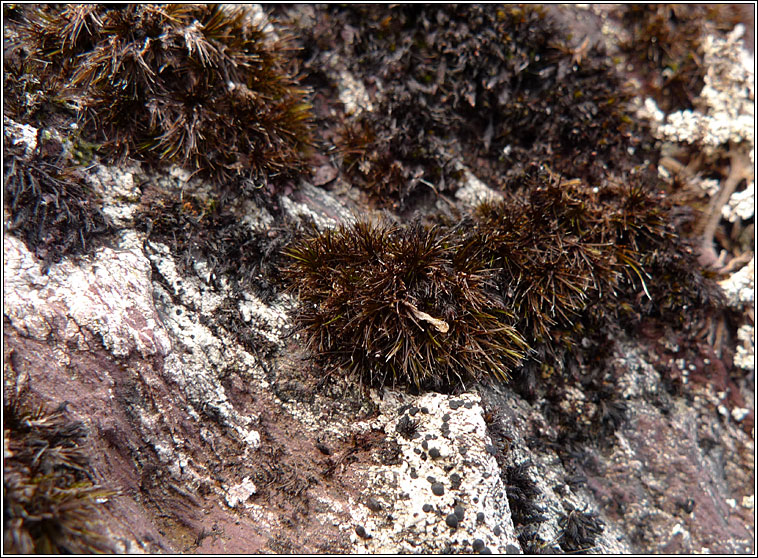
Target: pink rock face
[(222, 435), (109, 295)]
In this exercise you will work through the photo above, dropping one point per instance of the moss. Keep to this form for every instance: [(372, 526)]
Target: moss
[(665, 44), (197, 85), (51, 205), (502, 81), (560, 263), (50, 503), (409, 306)]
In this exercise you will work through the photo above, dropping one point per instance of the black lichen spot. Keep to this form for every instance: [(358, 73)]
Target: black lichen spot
[(200, 85), (455, 481), (401, 305), (459, 512), (373, 504)]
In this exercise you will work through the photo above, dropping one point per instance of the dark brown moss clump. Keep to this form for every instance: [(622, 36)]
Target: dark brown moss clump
[(51, 505), (195, 84), (665, 44), (564, 263), (402, 305), (51, 205), (498, 87)]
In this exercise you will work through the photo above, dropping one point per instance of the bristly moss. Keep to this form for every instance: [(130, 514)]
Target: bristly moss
[(503, 81), (50, 204), (198, 85), (665, 44), (554, 265), (51, 505), (410, 306)]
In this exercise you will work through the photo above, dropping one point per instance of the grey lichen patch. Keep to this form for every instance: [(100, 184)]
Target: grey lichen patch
[(201, 355), (105, 296), (322, 208), (119, 190), (353, 94), (468, 473)]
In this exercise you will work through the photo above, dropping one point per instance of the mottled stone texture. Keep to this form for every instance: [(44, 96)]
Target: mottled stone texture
[(222, 443)]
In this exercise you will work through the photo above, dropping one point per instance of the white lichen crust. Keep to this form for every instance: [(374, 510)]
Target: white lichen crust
[(458, 459)]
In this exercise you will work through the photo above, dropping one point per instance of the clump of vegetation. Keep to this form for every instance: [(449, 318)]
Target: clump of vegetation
[(580, 530), (410, 306), (665, 44), (198, 85), (51, 505), (49, 201), (562, 262), (504, 81)]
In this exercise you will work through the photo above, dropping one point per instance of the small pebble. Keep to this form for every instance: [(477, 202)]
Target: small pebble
[(496, 530), (425, 410), (452, 520), (438, 489), (485, 550), (425, 444), (434, 453), (478, 545), (431, 479), (361, 532), (468, 404), (414, 474), (446, 417), (455, 481), (511, 549), (412, 411), (455, 403), (427, 508), (480, 517)]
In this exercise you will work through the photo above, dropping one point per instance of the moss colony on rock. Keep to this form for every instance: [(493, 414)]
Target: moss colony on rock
[(50, 503), (199, 85), (403, 305), (496, 86), (518, 284), (51, 205)]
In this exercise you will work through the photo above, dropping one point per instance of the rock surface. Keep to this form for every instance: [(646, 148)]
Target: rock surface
[(230, 443)]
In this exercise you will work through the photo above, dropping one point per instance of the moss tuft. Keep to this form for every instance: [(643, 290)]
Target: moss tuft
[(198, 85), (50, 503), (411, 306)]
